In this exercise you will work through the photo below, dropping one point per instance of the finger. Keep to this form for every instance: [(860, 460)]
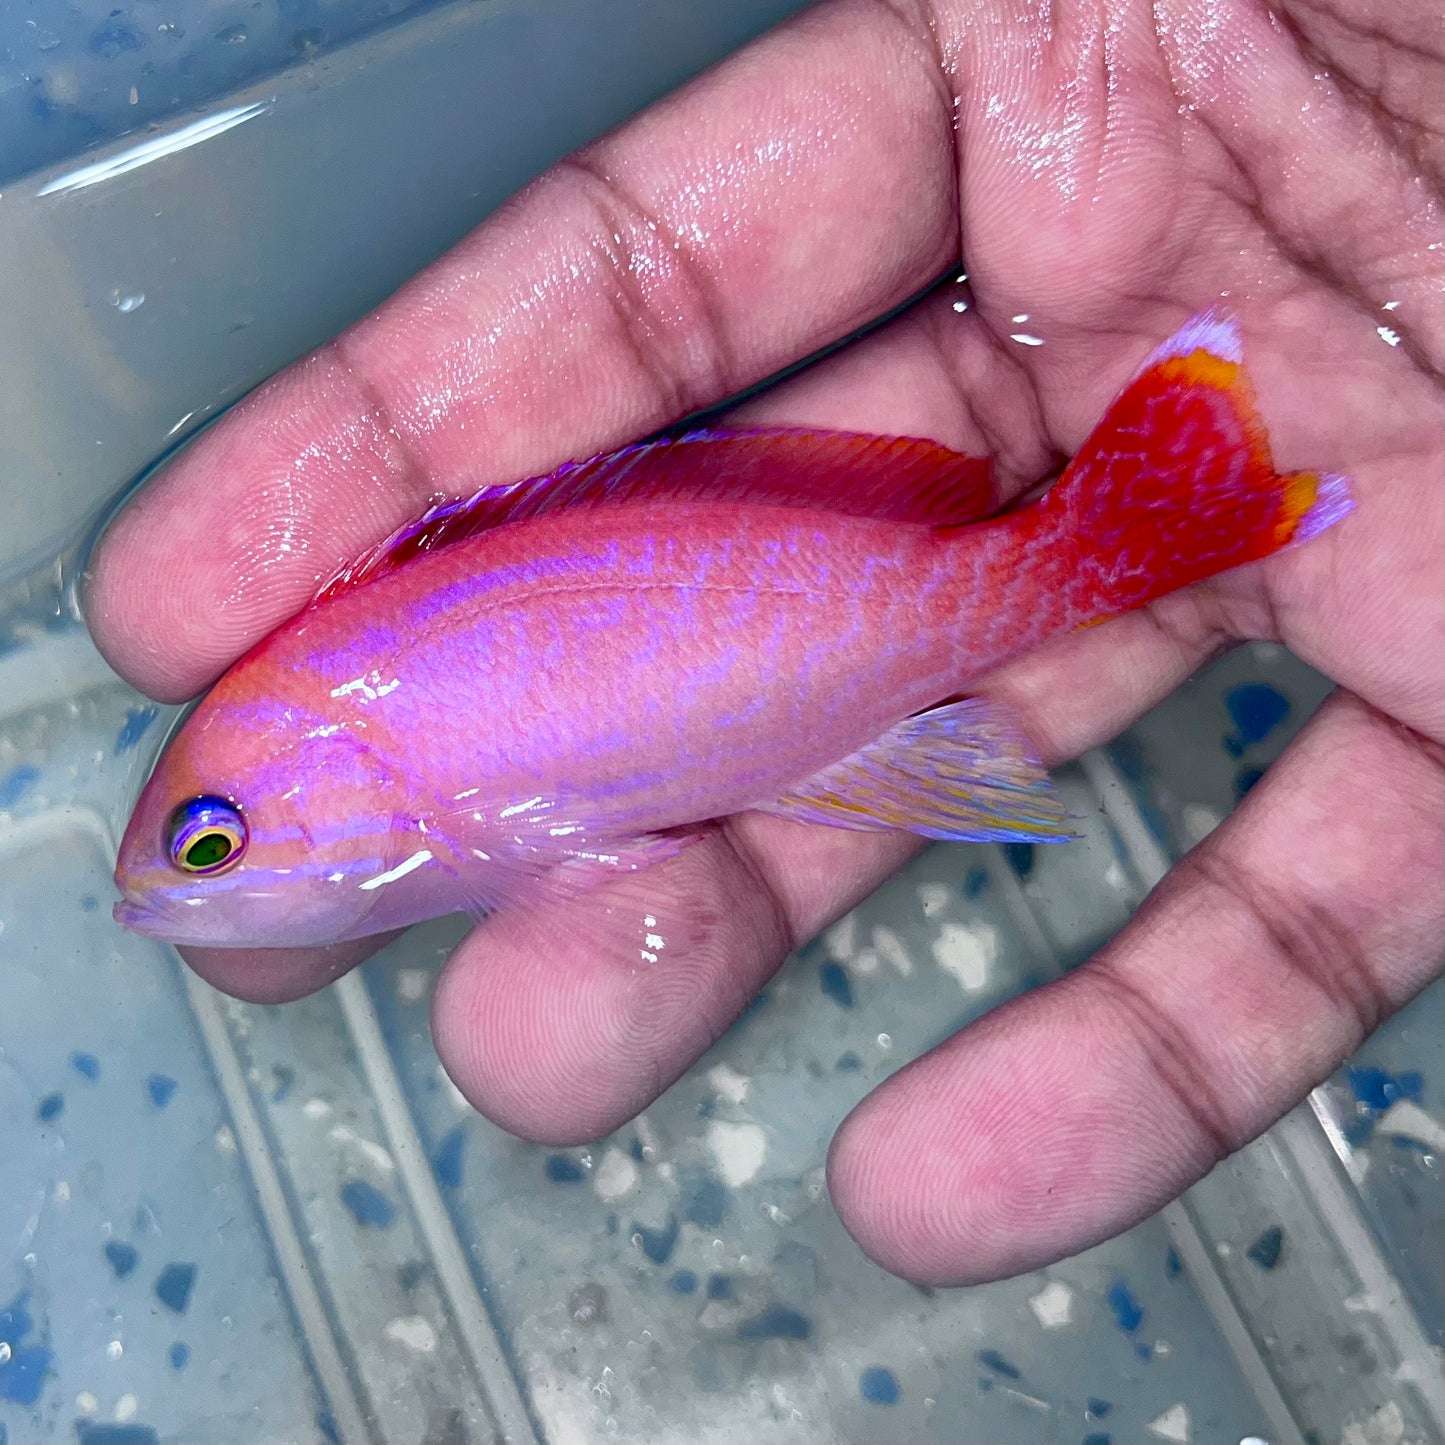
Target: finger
[(1250, 973), (279, 975), (553, 1026), (715, 239)]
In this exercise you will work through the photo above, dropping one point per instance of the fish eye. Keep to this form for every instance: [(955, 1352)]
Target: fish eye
[(206, 835)]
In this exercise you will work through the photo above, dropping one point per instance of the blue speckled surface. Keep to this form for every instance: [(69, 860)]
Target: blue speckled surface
[(684, 1279), (109, 1203)]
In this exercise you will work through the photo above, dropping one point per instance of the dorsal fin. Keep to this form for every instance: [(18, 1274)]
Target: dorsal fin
[(900, 479)]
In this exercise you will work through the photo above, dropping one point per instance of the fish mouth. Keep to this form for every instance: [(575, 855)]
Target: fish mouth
[(139, 918)]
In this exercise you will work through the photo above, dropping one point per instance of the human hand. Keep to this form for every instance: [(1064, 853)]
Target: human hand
[(1106, 168)]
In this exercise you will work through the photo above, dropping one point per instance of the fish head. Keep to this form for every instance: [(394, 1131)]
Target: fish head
[(268, 822)]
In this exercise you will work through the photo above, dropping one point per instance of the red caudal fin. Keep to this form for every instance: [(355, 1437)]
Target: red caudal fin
[(1176, 483)]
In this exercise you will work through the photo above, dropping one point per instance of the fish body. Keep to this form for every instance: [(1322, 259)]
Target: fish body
[(551, 682)]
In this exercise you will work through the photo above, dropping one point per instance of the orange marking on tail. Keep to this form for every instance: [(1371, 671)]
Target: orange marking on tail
[(1202, 368), (1299, 492)]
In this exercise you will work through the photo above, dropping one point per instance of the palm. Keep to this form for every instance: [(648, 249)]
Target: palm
[(1103, 179)]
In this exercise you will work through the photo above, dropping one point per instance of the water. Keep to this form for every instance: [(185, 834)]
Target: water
[(231, 1222)]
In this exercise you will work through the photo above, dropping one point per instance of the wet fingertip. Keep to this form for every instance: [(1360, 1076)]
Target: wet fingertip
[(276, 975)]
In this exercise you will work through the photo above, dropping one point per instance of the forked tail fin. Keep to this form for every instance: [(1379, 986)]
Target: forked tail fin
[(1176, 483)]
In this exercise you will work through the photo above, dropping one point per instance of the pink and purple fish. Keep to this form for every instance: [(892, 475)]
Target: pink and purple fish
[(552, 682)]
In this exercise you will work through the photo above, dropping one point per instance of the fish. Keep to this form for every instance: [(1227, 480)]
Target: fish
[(527, 692)]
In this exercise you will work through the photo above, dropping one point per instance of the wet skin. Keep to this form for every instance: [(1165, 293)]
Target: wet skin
[(1106, 169)]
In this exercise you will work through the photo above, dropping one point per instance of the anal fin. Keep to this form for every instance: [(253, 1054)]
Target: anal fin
[(963, 772)]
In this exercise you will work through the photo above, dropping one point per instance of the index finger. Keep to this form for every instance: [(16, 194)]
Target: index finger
[(769, 208)]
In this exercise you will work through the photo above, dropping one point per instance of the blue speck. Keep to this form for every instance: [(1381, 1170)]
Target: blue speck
[(834, 981), (326, 1423), (89, 903), (1245, 779), (161, 1087), (105, 1432), (23, 1374), (562, 1170), (137, 720), (1096, 1407), (705, 1200), (975, 881), (1128, 757), (878, 1385), (1098, 1438), (634, 1148), (4, 1434), (777, 1322), (1266, 1250), (86, 1065), (180, 1355), (16, 784), (1357, 1130), (1377, 1089), (173, 1286), (1144, 1350), (448, 1160), (1173, 1265), (1255, 709), (123, 1258), (657, 1244), (1408, 1145), (848, 1063), (50, 1107), (1020, 857), (285, 1082), (114, 38), (999, 1364), (369, 1207), (1128, 1312), (719, 1286), (683, 1282)]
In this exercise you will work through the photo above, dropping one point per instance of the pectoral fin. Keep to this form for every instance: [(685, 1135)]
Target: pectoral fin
[(542, 860), (963, 772)]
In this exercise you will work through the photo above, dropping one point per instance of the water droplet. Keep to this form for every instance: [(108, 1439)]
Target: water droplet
[(127, 301)]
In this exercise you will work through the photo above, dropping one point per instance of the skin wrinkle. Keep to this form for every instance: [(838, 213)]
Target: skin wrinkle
[(1401, 40), (1173, 1059), (679, 390), (1303, 937), (1311, 260), (409, 470)]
